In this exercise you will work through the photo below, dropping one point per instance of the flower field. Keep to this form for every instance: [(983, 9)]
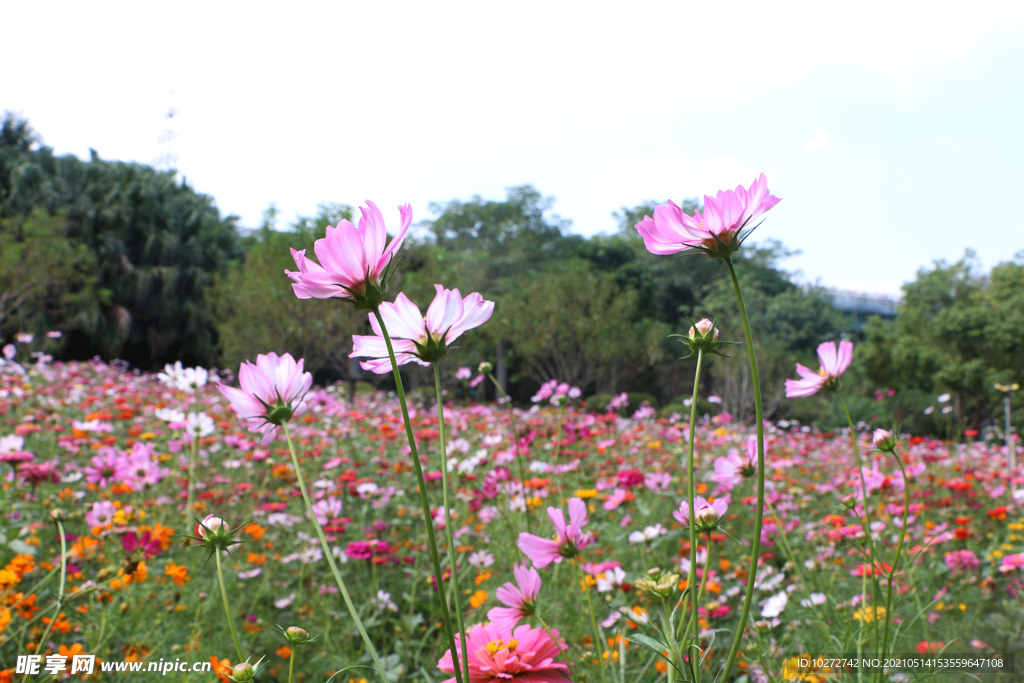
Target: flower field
[(98, 462)]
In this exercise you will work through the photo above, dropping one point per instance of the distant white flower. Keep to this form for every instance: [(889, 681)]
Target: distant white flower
[(171, 374), (198, 424), (943, 398), (170, 415), (816, 599), (12, 443), (383, 602), (947, 410), (929, 410), (714, 399), (284, 602), (648, 534), (775, 605), (611, 578)]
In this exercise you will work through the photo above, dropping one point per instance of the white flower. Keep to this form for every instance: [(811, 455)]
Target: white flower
[(816, 599), (170, 415), (12, 443), (929, 410), (171, 374), (383, 602), (648, 534), (192, 379), (947, 410), (943, 398), (775, 605), (199, 424), (284, 602), (609, 579)]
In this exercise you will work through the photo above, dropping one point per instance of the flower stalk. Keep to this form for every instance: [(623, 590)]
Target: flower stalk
[(446, 619), (227, 607), (330, 559), (755, 543), (448, 524)]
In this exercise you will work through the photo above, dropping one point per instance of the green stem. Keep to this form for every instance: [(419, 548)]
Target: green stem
[(291, 666), (448, 523), (691, 577), (866, 523), (192, 456), (755, 550), (60, 591), (330, 558), (227, 609), (598, 645), (515, 442), (896, 560), (446, 619)]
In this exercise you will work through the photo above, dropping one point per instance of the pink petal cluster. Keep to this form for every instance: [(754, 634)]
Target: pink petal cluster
[(519, 598), (448, 317), (700, 504), (833, 364), (272, 381), (350, 256), (717, 230), (733, 468), (502, 655), (569, 537)]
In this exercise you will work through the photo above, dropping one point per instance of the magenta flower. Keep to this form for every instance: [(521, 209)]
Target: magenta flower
[(708, 514), (501, 655), (519, 598), (107, 468), (272, 392), (718, 232), (833, 364), (1012, 563), (962, 562), (569, 538), (353, 260), (144, 547), (418, 338)]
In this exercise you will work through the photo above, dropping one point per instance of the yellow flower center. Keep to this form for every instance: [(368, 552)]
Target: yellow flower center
[(500, 644)]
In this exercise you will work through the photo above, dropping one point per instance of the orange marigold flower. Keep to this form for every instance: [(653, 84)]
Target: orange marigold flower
[(83, 547), (27, 607), (62, 625), (5, 618), (256, 558), (21, 565), (8, 579), (178, 573), (221, 667), (284, 652), (479, 598), (255, 531)]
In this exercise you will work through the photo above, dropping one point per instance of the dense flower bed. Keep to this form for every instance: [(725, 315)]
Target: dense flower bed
[(105, 451)]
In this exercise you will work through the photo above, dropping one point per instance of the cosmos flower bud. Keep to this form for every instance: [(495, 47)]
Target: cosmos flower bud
[(884, 440), (211, 526), (659, 583), (707, 518), (215, 534), (295, 633), (243, 672), (703, 328), (485, 368)]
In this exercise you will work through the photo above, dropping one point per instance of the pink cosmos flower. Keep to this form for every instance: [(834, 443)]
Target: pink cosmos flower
[(272, 391), (352, 259), (716, 232), (833, 364), (107, 468), (419, 338), (519, 598), (144, 546), (731, 470), (708, 514), (569, 538), (501, 655)]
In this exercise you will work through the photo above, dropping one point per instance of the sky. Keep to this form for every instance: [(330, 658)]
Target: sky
[(891, 131)]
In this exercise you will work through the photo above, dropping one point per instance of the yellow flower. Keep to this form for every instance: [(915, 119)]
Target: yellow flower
[(868, 614), (586, 493)]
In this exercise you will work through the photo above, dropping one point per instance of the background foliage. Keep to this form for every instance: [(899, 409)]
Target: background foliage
[(130, 263)]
